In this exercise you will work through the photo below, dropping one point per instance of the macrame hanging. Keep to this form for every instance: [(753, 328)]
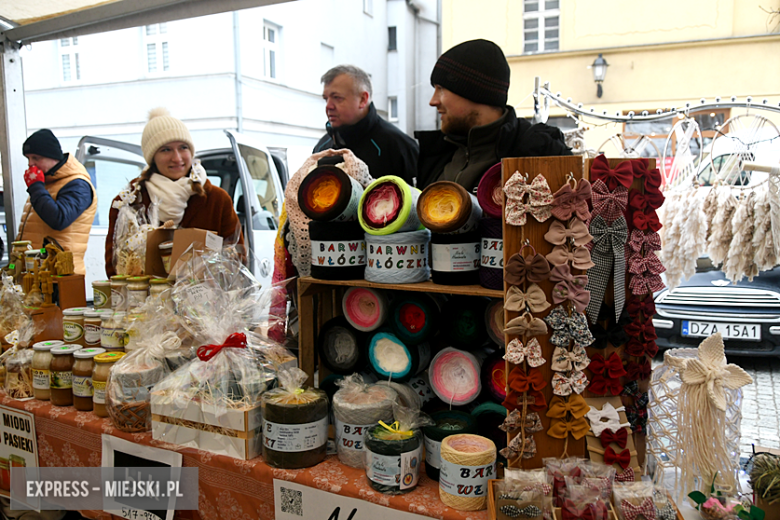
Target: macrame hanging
[(739, 261)]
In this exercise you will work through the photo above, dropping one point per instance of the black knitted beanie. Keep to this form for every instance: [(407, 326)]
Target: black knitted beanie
[(476, 70), (43, 143)]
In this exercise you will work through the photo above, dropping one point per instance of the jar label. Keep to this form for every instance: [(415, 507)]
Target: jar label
[(492, 253), (455, 258), (350, 436), (433, 452), (41, 380), (465, 481), (338, 254), (117, 300), (72, 332), (61, 380), (136, 298), (112, 338), (99, 298), (99, 388), (82, 386), (398, 257), (92, 334), (394, 470), (295, 437)]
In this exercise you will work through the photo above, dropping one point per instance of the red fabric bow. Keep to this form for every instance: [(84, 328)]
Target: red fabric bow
[(646, 283), (521, 382), (642, 201), (622, 175), (646, 329), (646, 509), (619, 437), (601, 385), (612, 366), (646, 307), (623, 458), (650, 263), (559, 482), (640, 242), (235, 340), (653, 178), (536, 400), (646, 220), (568, 201), (610, 205), (626, 476), (638, 348), (594, 511), (638, 371)]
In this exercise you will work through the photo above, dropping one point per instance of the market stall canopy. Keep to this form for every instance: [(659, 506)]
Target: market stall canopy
[(38, 20)]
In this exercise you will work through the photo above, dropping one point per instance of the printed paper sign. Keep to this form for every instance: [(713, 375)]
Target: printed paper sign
[(19, 448)]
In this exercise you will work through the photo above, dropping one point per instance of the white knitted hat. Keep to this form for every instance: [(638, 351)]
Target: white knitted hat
[(162, 129)]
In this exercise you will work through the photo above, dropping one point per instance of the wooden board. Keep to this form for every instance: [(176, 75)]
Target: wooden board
[(429, 287)]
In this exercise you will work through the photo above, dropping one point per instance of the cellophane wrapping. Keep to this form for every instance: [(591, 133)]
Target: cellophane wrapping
[(133, 222)]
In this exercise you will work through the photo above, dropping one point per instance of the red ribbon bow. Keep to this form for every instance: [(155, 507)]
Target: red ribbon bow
[(638, 348), (612, 366), (594, 511), (601, 385), (621, 175), (619, 437), (610, 205), (642, 201), (650, 263), (235, 340), (646, 283), (536, 400), (646, 220), (638, 371), (653, 178), (646, 307), (646, 509), (639, 242), (623, 458), (646, 329), (521, 382), (626, 476)]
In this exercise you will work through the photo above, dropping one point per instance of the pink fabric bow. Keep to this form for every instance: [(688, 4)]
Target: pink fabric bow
[(562, 273), (639, 240), (645, 283), (579, 296), (651, 263), (539, 199), (579, 257), (568, 201), (622, 174), (559, 233), (646, 509), (516, 352), (610, 205)]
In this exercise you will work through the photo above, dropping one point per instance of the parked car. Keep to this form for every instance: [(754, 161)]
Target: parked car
[(252, 175)]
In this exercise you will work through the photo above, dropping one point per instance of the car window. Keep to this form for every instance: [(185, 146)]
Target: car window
[(261, 173), (216, 180), (109, 177)]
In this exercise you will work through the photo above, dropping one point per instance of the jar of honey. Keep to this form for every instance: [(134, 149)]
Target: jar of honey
[(41, 365), (82, 378), (101, 294), (62, 375), (103, 364), (73, 326), (119, 292)]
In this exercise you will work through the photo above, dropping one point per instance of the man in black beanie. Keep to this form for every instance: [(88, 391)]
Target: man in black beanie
[(478, 128), (62, 202)]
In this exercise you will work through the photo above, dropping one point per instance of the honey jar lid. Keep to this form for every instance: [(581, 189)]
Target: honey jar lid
[(119, 278), (64, 349), (86, 353), (75, 311), (109, 357), (48, 345)]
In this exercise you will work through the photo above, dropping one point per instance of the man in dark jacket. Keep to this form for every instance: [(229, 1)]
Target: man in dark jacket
[(478, 128), (354, 124)]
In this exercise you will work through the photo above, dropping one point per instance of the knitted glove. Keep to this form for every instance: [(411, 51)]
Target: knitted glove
[(33, 175)]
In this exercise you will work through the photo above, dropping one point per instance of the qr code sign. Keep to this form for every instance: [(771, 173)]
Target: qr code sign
[(292, 501)]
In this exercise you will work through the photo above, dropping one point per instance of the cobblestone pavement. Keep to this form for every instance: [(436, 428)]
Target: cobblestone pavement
[(760, 404)]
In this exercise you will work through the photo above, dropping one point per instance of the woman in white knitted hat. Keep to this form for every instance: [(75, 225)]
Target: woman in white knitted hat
[(176, 184)]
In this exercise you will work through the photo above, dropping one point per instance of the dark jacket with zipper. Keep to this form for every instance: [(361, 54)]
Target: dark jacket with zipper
[(465, 159), (381, 145)]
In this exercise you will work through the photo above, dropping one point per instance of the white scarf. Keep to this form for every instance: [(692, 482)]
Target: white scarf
[(170, 197)]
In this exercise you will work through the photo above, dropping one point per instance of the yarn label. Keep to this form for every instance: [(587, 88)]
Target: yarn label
[(455, 258), (295, 437), (350, 211), (350, 436), (397, 257), (433, 452), (394, 470), (338, 254), (82, 386), (41, 379), (492, 253), (422, 388), (465, 481)]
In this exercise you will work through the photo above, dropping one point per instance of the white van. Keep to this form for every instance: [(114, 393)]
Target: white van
[(730, 151), (252, 175)]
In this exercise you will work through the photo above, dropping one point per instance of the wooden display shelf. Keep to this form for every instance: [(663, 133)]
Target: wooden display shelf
[(320, 300)]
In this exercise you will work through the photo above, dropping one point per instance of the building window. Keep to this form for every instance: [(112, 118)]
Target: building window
[(392, 108), (392, 43), (541, 31), (368, 7), (157, 60), (270, 51), (69, 59)]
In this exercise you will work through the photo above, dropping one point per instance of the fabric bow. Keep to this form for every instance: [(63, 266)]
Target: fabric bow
[(645, 283), (641, 201), (666, 512), (637, 348), (525, 325), (621, 175), (610, 205), (601, 385), (619, 437), (709, 369), (534, 269), (611, 366), (579, 257), (646, 330), (576, 406), (646, 220), (640, 242), (626, 476), (539, 199), (564, 360), (631, 511), (579, 296), (638, 371), (641, 399), (652, 177), (535, 299), (533, 399), (562, 274), (594, 511), (516, 352), (623, 459), (520, 446), (651, 263), (235, 340), (568, 201), (615, 335), (564, 385), (521, 382), (609, 256), (637, 417), (559, 233), (514, 421), (567, 328), (561, 428), (636, 306)]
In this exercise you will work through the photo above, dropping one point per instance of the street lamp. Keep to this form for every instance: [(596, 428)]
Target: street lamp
[(599, 73)]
